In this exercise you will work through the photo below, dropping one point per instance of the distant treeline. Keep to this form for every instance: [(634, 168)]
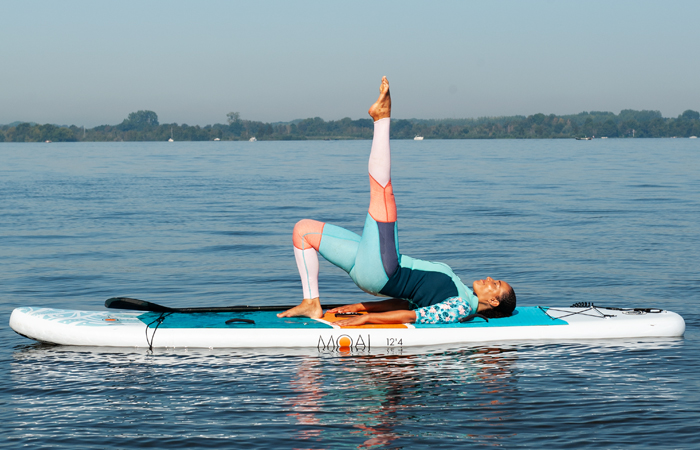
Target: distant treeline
[(144, 126)]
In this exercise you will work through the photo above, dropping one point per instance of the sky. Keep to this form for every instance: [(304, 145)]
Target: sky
[(92, 63)]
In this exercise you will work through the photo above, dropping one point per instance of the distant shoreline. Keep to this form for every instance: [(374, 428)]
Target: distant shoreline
[(143, 126)]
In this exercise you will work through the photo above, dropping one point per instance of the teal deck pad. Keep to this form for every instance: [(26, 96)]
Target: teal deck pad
[(523, 317), (526, 316), (263, 319)]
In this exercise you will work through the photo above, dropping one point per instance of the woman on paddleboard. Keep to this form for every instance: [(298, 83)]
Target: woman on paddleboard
[(419, 291)]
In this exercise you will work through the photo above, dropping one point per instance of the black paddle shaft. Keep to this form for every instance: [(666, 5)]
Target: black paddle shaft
[(142, 305)]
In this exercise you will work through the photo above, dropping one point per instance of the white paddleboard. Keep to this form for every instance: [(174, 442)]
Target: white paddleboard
[(262, 329)]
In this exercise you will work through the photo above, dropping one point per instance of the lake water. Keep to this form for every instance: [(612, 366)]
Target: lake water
[(615, 222)]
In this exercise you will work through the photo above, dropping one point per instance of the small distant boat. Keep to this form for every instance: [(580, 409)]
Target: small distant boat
[(604, 137), (217, 139), (171, 136), (693, 137), (584, 138), (47, 141), (253, 139), (418, 138)]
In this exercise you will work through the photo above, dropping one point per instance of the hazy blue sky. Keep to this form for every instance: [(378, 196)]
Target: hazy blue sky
[(91, 63)]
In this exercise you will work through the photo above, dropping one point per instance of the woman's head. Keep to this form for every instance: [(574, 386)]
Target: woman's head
[(496, 297)]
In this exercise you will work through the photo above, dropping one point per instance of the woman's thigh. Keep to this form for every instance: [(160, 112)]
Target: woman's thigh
[(377, 255), (339, 246)]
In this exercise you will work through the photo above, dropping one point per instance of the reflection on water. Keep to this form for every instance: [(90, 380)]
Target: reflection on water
[(384, 391), (329, 399)]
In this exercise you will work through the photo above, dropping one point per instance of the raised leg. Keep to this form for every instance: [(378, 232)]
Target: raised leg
[(369, 259), (378, 255)]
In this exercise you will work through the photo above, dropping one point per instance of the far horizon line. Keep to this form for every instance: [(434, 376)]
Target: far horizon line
[(287, 122)]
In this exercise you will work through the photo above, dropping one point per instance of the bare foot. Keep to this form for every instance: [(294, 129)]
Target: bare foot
[(382, 107), (309, 307)]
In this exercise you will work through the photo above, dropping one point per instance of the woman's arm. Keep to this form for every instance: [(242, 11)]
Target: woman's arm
[(399, 316), (391, 304)]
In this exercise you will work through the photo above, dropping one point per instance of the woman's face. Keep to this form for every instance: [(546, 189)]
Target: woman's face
[(489, 290)]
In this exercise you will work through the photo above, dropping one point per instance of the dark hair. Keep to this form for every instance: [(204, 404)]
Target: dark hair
[(505, 306)]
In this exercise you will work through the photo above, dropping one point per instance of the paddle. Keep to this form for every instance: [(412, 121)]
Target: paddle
[(142, 305)]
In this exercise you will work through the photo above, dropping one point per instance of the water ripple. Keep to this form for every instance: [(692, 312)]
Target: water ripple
[(198, 224)]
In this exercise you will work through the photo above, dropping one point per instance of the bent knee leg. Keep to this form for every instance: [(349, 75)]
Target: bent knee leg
[(307, 234), (377, 255)]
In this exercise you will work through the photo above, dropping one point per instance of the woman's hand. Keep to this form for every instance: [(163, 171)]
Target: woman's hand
[(403, 316), (353, 321), (391, 304), (357, 307)]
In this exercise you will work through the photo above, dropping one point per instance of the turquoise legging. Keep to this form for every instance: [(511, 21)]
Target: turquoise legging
[(369, 259)]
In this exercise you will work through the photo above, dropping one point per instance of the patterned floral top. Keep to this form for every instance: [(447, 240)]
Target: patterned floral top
[(448, 311)]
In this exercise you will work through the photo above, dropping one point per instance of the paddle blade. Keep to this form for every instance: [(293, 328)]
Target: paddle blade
[(135, 304)]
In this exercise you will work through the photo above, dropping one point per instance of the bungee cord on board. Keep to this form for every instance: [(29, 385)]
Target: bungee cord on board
[(160, 320), (592, 310)]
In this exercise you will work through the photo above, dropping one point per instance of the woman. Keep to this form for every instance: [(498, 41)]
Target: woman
[(419, 291)]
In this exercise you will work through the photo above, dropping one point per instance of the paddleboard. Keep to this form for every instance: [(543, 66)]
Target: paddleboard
[(263, 329)]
